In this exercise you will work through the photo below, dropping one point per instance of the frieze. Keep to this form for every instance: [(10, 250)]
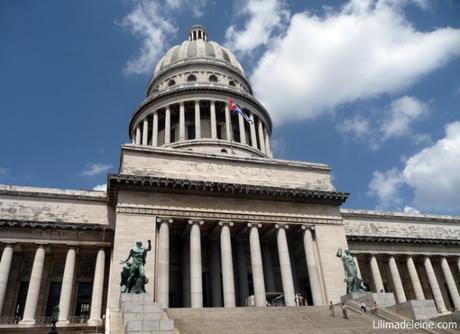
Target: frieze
[(228, 216)]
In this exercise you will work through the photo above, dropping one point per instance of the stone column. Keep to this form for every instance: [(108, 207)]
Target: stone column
[(181, 121), (312, 267), (228, 123), (252, 127), (451, 285), (213, 120), (228, 281), (415, 280), (197, 120), (138, 134), (34, 287), (186, 272), (268, 267), (196, 279), (216, 282), (376, 277), (242, 130), (155, 129), (67, 286), (98, 290), (267, 143), (261, 137), (145, 131), (285, 265), (242, 272), (358, 271), (436, 291), (256, 264), (167, 125), (399, 290), (163, 262), (5, 265)]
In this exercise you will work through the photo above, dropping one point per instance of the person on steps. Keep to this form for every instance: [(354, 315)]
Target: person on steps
[(331, 309), (344, 311)]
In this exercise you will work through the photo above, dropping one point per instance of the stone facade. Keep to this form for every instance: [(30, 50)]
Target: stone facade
[(229, 225)]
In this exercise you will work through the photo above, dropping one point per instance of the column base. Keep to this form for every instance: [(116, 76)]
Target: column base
[(94, 322), (27, 322), (62, 323)]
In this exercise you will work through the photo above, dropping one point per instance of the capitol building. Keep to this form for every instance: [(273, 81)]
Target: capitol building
[(235, 232)]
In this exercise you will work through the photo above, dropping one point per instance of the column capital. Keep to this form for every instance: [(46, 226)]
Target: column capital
[(308, 227), (199, 222), (164, 220), (197, 101), (279, 226), (258, 225), (229, 224)]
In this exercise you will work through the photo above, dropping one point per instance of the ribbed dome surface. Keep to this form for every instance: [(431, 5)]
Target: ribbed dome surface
[(195, 50)]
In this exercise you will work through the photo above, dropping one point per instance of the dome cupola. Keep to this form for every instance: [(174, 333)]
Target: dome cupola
[(187, 103)]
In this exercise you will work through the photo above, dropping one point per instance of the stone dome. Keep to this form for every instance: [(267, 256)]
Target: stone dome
[(197, 47)]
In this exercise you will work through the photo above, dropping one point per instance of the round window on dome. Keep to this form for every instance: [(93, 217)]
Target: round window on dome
[(213, 78), (171, 83), (232, 83), (191, 78)]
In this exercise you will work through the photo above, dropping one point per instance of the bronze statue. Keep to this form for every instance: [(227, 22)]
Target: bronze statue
[(133, 278), (354, 283)]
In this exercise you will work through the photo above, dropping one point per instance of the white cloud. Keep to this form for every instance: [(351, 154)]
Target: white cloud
[(385, 186), (264, 17), (101, 187), (403, 112), (365, 49), (432, 174), (411, 210), (357, 126), (94, 169), (148, 22)]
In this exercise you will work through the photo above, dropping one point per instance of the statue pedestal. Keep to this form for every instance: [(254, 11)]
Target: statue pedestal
[(417, 309), (383, 299), (140, 314), (353, 296)]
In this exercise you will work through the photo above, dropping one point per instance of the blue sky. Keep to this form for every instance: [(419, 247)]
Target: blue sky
[(371, 88)]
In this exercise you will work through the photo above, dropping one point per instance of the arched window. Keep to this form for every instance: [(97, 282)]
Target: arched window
[(171, 83), (213, 78), (191, 78), (232, 83)]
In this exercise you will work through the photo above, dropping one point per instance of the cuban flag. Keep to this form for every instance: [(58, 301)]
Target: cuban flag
[(235, 108)]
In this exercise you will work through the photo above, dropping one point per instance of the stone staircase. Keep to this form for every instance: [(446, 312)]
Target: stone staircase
[(283, 320)]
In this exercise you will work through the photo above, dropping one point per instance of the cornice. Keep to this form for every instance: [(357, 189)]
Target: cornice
[(364, 238), (53, 225)]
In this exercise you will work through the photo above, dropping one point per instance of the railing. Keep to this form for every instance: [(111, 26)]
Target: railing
[(43, 321), (9, 320), (83, 319)]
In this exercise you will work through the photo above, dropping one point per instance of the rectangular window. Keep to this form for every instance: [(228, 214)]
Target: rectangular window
[(83, 299)]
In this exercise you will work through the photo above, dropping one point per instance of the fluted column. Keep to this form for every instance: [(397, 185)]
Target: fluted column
[(256, 264), (414, 278), (376, 277), (228, 281), (145, 131), (197, 120), (242, 272), (181, 121), (34, 287), (261, 136), (67, 286), (155, 129), (163, 262), (267, 143), (285, 265), (167, 125), (228, 123), (396, 278), (252, 128), (242, 130), (312, 267), (5, 266), (213, 120), (435, 290), (98, 290), (451, 285), (268, 267), (196, 279), (138, 134)]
